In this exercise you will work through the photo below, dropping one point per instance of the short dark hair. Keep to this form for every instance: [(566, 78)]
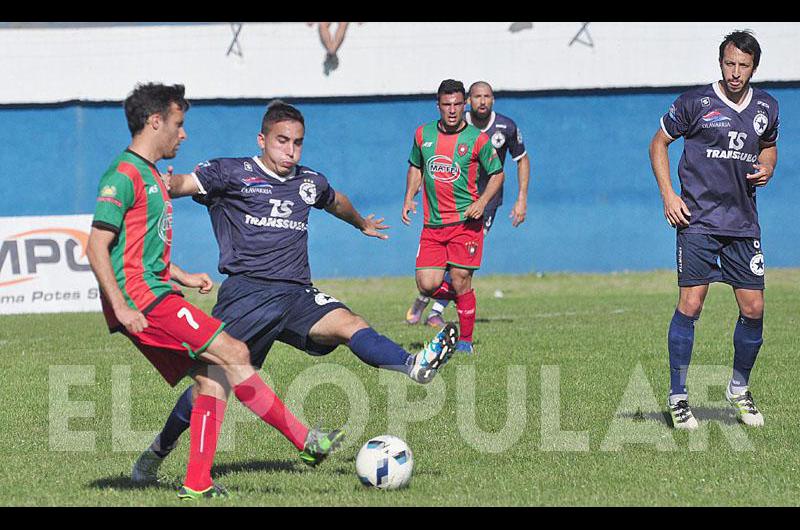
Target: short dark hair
[(152, 98), (745, 41), (476, 83), (450, 86), (280, 111)]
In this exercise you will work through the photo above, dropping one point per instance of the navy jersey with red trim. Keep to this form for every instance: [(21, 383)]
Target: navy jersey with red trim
[(722, 141), (260, 219), (506, 138)]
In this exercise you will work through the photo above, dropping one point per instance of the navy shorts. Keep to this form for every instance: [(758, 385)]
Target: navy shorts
[(488, 218), (259, 312), (705, 258)]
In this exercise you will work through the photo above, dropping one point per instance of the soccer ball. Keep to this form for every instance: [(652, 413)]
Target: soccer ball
[(385, 462)]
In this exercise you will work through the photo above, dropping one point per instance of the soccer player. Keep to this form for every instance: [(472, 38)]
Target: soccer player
[(129, 252), (259, 208), (446, 157), (730, 131), (506, 137)]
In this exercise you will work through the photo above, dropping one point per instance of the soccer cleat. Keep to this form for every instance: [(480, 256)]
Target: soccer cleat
[(435, 320), (319, 444), (682, 417), (747, 412), (214, 491), (414, 314), (465, 346), (434, 355), (145, 469)]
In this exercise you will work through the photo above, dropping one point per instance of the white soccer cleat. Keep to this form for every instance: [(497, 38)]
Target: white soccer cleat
[(145, 469), (434, 355), (747, 412), (682, 417)]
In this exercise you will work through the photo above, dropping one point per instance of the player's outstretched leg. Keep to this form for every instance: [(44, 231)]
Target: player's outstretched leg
[(319, 444), (145, 469), (414, 313), (435, 318), (434, 355)]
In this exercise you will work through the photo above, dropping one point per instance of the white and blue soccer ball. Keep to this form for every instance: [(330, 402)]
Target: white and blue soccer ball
[(385, 462)]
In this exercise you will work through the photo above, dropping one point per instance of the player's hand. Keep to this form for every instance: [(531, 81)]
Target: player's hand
[(475, 210), (409, 206), (200, 280), (133, 320), (372, 227), (518, 212), (761, 176), (168, 177), (676, 211)]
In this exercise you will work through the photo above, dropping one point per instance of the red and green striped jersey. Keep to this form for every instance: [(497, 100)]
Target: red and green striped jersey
[(450, 165), (132, 201)]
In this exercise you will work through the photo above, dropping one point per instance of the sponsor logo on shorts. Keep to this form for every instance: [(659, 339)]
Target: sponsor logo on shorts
[(756, 243), (680, 259), (443, 169), (757, 265)]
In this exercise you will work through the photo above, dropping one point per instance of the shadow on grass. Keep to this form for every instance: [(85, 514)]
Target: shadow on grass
[(124, 482), (723, 416)]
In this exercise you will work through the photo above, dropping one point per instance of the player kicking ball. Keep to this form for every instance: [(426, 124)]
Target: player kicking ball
[(259, 208)]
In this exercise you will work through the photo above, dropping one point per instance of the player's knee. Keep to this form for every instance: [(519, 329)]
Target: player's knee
[(691, 305), (752, 309)]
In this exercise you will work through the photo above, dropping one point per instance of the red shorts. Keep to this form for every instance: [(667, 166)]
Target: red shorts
[(177, 333), (458, 245)]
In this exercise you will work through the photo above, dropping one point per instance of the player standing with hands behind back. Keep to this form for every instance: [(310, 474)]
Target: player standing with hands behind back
[(730, 131)]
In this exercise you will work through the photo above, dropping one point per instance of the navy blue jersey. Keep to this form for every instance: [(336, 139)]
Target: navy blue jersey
[(721, 143), (260, 220), (506, 138)]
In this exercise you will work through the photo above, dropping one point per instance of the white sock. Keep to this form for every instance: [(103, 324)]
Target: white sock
[(438, 307), (734, 390), (674, 398)]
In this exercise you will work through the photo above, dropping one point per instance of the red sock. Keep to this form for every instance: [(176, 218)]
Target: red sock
[(207, 415), (258, 397), (444, 292), (465, 306)]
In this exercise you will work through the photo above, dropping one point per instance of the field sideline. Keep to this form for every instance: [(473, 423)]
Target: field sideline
[(563, 405)]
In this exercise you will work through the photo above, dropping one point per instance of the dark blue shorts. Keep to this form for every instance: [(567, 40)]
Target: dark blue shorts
[(259, 312), (705, 258)]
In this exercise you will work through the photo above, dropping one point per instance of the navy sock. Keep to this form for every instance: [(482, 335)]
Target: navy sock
[(177, 422), (747, 340), (680, 341), (378, 351)]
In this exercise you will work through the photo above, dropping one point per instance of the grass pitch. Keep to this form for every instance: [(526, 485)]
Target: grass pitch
[(562, 405)]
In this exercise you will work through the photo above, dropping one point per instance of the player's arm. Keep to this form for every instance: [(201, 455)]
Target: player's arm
[(520, 209), (200, 280), (182, 185), (413, 184), (475, 210), (342, 208), (767, 160), (675, 210), (100, 260)]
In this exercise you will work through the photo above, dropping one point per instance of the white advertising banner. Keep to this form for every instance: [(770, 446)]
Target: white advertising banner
[(43, 265)]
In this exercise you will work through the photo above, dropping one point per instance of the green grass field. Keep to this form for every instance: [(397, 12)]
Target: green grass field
[(562, 405)]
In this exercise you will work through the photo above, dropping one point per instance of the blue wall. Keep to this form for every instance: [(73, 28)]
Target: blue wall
[(593, 205)]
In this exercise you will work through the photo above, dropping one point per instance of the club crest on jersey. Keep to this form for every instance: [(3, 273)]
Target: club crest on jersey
[(308, 192), (472, 247), (760, 123), (462, 149), (498, 139), (108, 191), (443, 169)]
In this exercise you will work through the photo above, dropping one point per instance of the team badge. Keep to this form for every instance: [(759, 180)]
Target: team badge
[(472, 248), (498, 139), (760, 123), (757, 265), (108, 191), (308, 192), (462, 149)]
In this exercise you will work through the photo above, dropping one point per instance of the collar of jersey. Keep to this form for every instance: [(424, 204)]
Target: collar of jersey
[(738, 108), (260, 164), (491, 120)]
